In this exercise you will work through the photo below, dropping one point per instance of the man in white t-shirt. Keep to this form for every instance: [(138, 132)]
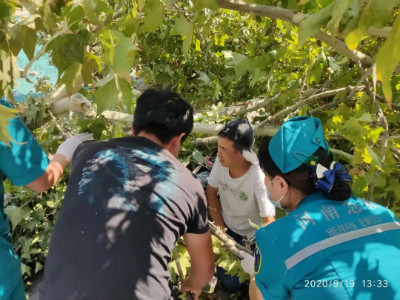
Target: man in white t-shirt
[(239, 181)]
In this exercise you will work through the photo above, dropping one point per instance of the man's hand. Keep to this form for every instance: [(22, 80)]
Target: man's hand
[(199, 247), (247, 263), (268, 220), (68, 147), (187, 288)]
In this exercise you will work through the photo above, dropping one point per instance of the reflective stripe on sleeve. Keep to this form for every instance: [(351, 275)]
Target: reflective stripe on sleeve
[(336, 240)]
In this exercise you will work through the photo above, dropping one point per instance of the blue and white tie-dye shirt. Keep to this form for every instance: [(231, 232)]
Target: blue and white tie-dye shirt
[(128, 200)]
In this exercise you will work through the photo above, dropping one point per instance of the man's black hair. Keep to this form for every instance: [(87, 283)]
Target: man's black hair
[(163, 113)]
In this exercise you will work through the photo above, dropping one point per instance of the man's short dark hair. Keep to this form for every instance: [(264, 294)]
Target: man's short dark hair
[(163, 113)]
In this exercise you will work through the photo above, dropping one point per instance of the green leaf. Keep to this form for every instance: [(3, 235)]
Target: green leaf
[(108, 96), (375, 13), (91, 63), (125, 94), (311, 25), (72, 77), (198, 157), (49, 20), (201, 4), (374, 134), (66, 49), (6, 114), (240, 63), (75, 17), (340, 8), (366, 117), (184, 28), (353, 131), (23, 35), (374, 157), (124, 55), (30, 43), (387, 59), (5, 10), (154, 10), (25, 269), (16, 214), (94, 8)]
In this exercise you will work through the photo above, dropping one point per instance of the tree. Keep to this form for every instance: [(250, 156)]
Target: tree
[(266, 60)]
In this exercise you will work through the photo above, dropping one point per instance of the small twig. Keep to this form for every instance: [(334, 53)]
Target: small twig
[(29, 201), (58, 125)]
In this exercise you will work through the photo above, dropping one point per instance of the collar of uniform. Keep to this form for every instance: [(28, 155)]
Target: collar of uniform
[(311, 197)]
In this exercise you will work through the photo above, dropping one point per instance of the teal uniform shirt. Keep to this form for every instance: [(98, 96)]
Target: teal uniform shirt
[(330, 250), (22, 163)]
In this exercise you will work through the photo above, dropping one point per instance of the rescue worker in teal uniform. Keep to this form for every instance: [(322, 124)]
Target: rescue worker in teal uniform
[(330, 246), (23, 162)]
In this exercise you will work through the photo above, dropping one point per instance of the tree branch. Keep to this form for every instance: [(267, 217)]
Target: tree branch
[(42, 50), (295, 18), (348, 98), (244, 110), (379, 31), (198, 128), (342, 153), (298, 104), (385, 135), (228, 242)]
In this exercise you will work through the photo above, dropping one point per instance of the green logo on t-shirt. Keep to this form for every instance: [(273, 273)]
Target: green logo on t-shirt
[(243, 196)]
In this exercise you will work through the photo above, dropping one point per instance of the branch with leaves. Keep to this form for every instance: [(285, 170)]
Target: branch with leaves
[(228, 242), (308, 100), (295, 18)]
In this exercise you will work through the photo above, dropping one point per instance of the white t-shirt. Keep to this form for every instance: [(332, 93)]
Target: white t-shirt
[(242, 198)]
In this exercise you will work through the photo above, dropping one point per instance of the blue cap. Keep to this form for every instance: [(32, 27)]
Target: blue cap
[(295, 141)]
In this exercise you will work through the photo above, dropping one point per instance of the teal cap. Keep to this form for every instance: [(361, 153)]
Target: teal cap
[(295, 141)]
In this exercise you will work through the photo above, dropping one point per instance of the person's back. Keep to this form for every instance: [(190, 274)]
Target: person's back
[(127, 202), (331, 245), (313, 244)]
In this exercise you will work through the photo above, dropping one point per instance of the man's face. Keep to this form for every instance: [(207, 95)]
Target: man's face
[(227, 153)]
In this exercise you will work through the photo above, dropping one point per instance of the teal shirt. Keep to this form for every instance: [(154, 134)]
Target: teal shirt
[(22, 163), (330, 250)]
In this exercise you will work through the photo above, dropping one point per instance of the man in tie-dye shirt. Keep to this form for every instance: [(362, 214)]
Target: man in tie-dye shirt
[(128, 201)]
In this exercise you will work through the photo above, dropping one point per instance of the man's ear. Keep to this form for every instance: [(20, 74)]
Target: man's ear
[(174, 145), (177, 140)]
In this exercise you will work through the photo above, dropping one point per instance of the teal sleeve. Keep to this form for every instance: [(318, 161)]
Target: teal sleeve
[(270, 268), (24, 160)]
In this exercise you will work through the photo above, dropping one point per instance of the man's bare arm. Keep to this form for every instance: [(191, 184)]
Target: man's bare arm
[(214, 206), (199, 247)]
